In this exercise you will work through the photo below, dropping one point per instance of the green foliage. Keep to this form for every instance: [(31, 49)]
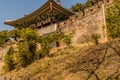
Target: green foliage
[(26, 53), (81, 6), (29, 34), (9, 60), (90, 3), (27, 47), (77, 7), (4, 37), (16, 33), (95, 38), (23, 54), (113, 19), (45, 42), (67, 39)]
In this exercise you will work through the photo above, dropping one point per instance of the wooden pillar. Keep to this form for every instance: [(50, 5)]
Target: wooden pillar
[(51, 11), (41, 24)]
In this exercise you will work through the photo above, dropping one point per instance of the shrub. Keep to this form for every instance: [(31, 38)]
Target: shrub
[(45, 44), (27, 48), (4, 37), (16, 33), (67, 39), (9, 60), (29, 34), (26, 53), (113, 19), (95, 38)]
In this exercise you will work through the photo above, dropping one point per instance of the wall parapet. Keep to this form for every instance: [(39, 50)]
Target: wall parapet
[(88, 11)]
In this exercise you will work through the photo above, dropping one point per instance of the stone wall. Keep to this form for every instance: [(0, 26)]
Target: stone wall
[(84, 24), (87, 23), (47, 29)]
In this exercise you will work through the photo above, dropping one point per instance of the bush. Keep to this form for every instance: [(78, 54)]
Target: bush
[(16, 33), (45, 44), (26, 53), (27, 48), (29, 34), (67, 39), (95, 38), (113, 19), (9, 60), (4, 37)]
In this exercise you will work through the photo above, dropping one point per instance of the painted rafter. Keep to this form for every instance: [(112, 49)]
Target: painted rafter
[(40, 15)]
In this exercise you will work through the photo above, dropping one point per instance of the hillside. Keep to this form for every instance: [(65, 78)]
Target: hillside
[(101, 62)]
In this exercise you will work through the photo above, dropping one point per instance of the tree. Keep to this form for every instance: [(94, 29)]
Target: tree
[(90, 3), (16, 33), (77, 7), (81, 6), (9, 59), (29, 34), (4, 37), (26, 53), (27, 47), (113, 19)]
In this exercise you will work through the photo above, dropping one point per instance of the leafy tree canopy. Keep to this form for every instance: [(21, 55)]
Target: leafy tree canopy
[(81, 6), (113, 19)]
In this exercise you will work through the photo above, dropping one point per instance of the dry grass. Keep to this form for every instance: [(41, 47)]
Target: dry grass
[(99, 62)]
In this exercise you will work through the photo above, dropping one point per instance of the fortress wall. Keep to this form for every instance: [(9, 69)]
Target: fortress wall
[(86, 23), (85, 27)]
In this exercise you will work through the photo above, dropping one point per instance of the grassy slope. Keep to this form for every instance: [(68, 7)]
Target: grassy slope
[(101, 62)]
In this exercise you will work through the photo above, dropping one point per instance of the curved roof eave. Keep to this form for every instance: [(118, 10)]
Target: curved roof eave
[(27, 16), (36, 13)]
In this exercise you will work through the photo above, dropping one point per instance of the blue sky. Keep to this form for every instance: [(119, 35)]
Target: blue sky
[(14, 9)]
